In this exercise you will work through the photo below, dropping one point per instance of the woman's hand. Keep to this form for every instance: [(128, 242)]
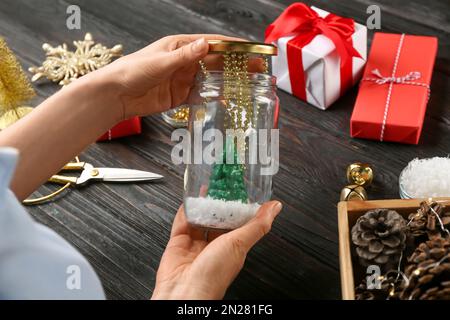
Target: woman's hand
[(193, 268), (148, 81), (159, 76)]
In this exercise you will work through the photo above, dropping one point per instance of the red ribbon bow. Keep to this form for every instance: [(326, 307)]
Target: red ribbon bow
[(305, 24)]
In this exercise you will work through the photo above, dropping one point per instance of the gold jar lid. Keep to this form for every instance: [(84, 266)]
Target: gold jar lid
[(220, 46)]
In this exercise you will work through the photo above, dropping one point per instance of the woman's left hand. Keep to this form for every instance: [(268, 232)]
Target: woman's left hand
[(159, 76)]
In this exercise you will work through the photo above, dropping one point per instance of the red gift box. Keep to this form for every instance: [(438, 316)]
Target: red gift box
[(395, 88), (125, 128)]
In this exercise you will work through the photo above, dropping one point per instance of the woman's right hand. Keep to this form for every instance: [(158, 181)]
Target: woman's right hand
[(194, 268)]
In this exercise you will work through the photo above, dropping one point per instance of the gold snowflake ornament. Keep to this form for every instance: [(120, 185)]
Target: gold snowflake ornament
[(65, 66)]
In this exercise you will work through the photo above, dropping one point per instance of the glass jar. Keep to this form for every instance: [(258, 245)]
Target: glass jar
[(402, 190), (233, 148)]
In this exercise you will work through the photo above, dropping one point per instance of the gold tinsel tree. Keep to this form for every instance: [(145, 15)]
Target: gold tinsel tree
[(15, 89)]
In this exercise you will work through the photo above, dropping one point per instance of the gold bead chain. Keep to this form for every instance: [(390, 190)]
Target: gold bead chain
[(266, 64), (182, 114), (237, 89)]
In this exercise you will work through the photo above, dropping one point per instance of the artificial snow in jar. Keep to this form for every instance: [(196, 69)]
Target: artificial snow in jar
[(233, 137)]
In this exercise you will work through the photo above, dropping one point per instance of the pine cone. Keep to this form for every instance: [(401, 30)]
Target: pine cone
[(429, 282), (425, 220), (380, 236), (363, 293), (418, 222), (387, 284)]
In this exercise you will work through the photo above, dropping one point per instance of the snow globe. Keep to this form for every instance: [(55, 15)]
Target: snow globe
[(233, 135)]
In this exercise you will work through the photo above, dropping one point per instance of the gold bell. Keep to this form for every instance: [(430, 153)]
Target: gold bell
[(353, 192), (360, 174)]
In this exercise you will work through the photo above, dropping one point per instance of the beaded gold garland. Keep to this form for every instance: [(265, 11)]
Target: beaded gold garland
[(237, 91), (182, 114)]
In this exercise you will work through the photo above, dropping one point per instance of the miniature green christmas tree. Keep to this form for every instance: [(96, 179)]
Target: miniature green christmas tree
[(227, 180)]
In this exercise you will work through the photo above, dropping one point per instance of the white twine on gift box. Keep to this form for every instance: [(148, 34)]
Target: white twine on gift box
[(407, 79), (413, 75)]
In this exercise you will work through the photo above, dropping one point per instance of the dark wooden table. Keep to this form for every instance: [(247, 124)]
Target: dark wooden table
[(122, 229)]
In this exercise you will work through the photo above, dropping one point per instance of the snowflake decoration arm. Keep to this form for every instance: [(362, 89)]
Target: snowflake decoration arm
[(65, 66)]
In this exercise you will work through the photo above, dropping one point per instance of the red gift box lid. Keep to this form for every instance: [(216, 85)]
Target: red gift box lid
[(125, 128), (402, 110)]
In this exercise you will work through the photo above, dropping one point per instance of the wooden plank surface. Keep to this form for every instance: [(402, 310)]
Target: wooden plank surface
[(123, 229)]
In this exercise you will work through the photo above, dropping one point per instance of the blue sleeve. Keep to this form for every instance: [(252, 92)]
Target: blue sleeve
[(35, 262)]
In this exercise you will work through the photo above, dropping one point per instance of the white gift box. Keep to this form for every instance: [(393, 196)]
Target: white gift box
[(321, 65)]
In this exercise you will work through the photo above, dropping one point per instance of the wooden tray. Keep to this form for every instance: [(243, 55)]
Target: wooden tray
[(348, 213)]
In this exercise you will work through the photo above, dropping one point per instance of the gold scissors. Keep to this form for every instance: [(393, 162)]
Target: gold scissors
[(90, 173)]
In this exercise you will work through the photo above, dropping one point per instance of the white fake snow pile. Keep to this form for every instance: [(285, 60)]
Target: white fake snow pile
[(424, 178), (219, 214)]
